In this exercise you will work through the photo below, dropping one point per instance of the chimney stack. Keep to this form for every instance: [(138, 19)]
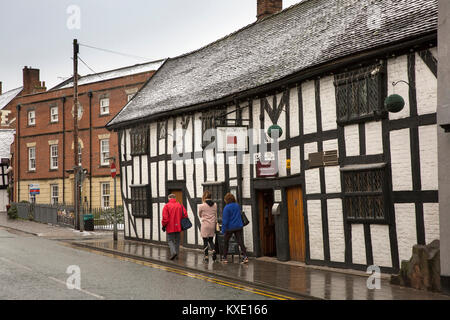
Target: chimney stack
[(268, 7), (31, 82)]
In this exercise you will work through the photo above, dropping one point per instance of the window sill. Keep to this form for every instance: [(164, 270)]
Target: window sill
[(31, 171), (104, 115), (375, 116), (53, 170), (31, 125)]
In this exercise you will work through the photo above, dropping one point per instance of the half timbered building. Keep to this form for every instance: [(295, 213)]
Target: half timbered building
[(347, 183)]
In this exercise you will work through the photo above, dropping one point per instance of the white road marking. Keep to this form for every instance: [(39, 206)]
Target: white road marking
[(15, 264), (81, 290)]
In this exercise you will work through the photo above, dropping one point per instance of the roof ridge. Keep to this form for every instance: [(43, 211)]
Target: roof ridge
[(122, 68), (9, 91), (241, 29)]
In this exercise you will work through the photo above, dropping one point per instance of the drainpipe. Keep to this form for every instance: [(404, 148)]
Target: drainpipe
[(18, 152), (90, 149), (64, 150)]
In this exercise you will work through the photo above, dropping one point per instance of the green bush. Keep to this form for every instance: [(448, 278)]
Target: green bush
[(12, 212)]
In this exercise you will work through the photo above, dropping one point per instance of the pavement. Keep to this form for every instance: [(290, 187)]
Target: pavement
[(50, 231), (290, 278)]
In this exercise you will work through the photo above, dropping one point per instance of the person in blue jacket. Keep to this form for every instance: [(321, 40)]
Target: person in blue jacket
[(232, 224)]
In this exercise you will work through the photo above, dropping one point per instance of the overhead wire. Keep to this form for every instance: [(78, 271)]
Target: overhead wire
[(115, 52)]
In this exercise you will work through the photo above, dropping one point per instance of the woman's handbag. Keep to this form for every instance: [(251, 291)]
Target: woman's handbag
[(186, 224), (244, 218)]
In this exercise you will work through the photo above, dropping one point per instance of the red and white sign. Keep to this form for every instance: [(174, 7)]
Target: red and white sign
[(113, 170), (232, 139)]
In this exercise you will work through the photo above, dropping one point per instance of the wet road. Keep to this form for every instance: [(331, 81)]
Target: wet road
[(37, 268)]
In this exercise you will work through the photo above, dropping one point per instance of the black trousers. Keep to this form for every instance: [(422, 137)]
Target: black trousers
[(206, 242), (239, 236)]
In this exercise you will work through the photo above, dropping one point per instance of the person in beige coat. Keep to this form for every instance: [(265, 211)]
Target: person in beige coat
[(207, 212)]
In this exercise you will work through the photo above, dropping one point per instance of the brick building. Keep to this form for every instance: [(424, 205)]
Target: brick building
[(43, 148)]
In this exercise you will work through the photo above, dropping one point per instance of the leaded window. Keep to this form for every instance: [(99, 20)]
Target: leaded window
[(139, 141), (364, 193), (140, 201), (359, 93), (210, 120)]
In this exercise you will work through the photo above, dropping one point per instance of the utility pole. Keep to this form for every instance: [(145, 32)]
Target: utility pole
[(76, 201)]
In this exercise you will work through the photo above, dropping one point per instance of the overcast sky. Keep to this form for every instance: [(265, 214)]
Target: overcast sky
[(40, 33)]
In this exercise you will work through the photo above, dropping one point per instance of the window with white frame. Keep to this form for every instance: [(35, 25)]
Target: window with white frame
[(54, 114), (54, 156), (104, 106), (104, 152), (31, 117), (54, 189), (32, 159), (106, 193), (130, 96)]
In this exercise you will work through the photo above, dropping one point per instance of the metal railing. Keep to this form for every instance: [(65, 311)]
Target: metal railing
[(104, 217), (64, 215)]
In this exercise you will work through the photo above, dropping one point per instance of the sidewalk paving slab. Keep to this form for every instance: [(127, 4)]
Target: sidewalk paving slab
[(304, 281)]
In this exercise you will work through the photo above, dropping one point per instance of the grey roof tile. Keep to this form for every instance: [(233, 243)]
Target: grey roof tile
[(302, 36)]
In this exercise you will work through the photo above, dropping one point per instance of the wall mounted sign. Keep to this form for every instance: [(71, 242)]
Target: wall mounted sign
[(232, 139), (277, 196), (266, 169), (35, 189), (323, 159), (288, 164)]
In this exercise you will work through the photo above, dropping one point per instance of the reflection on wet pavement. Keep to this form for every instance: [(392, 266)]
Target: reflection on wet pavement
[(301, 280)]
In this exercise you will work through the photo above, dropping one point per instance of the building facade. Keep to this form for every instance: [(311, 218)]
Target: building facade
[(44, 146), (444, 141), (347, 184)]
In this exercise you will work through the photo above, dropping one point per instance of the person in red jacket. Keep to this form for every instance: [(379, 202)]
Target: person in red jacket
[(173, 212)]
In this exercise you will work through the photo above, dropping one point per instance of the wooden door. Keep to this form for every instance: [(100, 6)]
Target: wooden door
[(179, 195), (266, 223), (296, 224)]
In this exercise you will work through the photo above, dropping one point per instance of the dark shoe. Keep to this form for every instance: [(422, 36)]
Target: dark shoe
[(244, 260), (224, 260), (214, 256), (173, 256)]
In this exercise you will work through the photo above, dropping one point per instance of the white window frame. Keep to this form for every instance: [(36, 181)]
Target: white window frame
[(54, 195), (54, 114), (104, 154), (130, 96), (104, 106), (32, 159), (32, 117), (105, 197), (54, 156)]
